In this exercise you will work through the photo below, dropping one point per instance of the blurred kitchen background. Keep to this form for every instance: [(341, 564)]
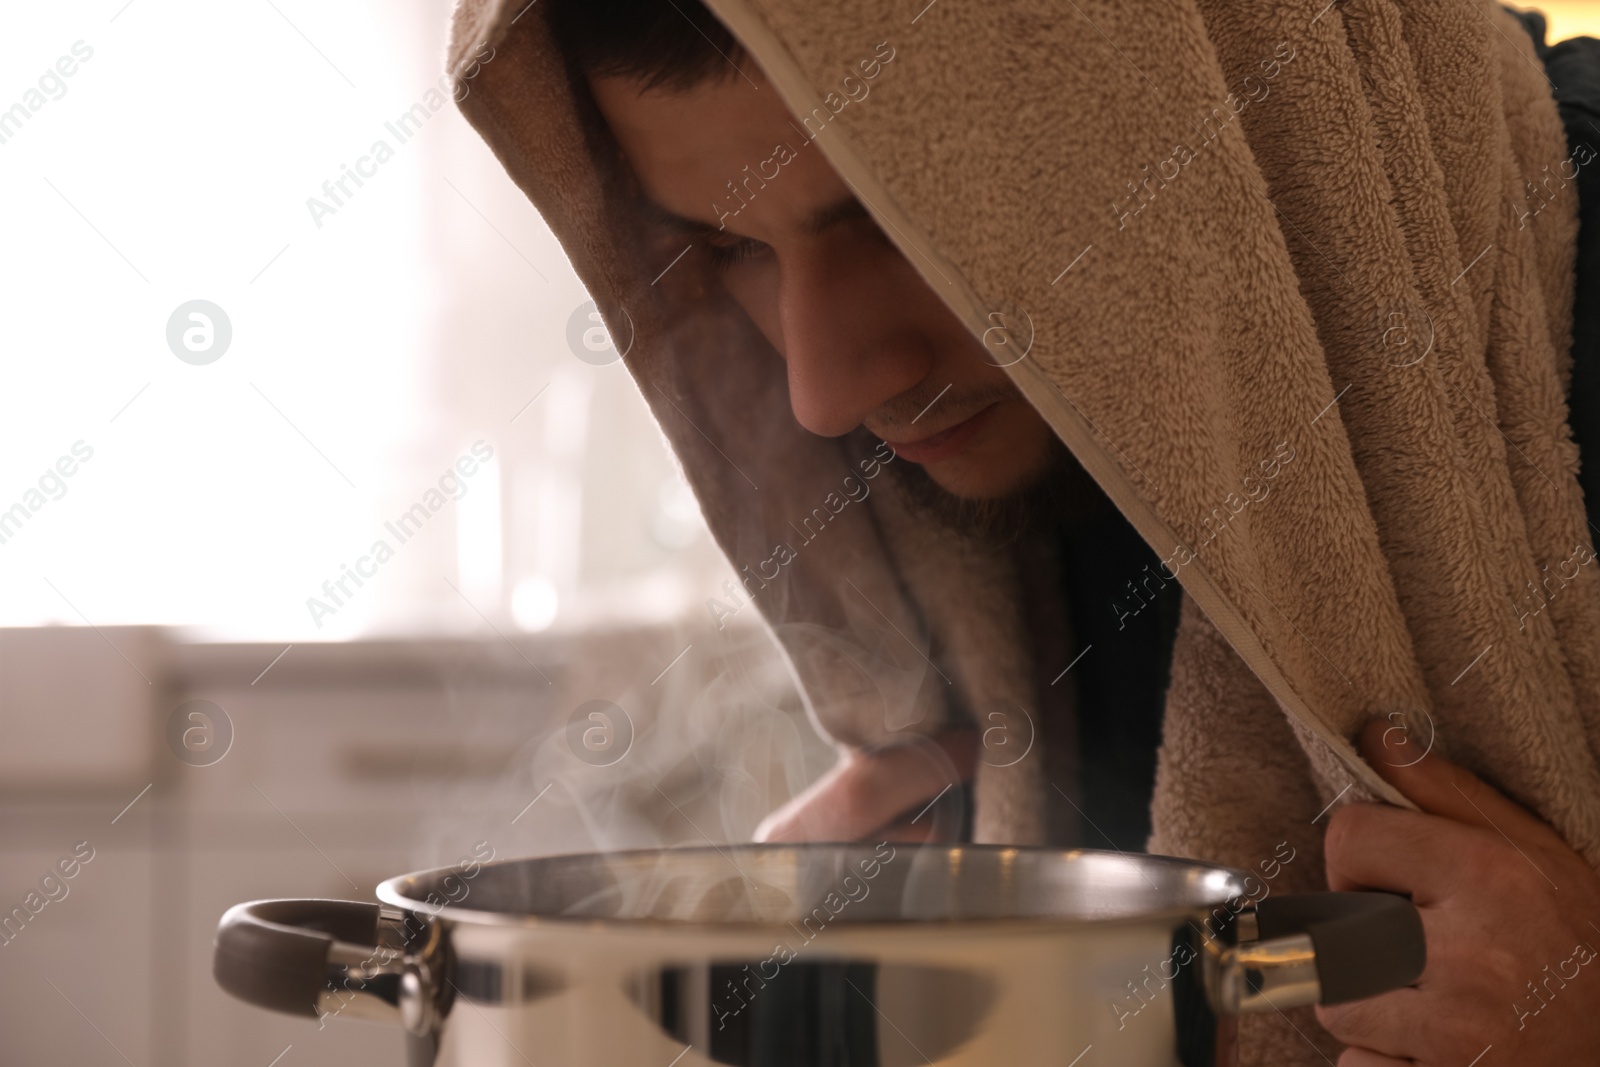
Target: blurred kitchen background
[(171, 705)]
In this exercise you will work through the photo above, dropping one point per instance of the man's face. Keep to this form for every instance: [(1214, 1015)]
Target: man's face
[(866, 341)]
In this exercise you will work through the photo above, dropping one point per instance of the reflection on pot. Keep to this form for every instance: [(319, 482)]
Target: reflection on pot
[(790, 1012)]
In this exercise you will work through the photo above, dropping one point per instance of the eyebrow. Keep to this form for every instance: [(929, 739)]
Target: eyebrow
[(845, 210)]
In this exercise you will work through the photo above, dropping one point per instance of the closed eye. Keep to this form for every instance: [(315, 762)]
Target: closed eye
[(724, 256)]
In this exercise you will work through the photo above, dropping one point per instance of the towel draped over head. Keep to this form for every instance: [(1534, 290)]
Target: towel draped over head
[(1272, 273)]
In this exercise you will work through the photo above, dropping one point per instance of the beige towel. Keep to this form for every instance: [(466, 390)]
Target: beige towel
[(1280, 294)]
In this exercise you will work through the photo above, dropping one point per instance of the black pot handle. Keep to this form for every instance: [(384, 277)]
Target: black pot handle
[(321, 958), (1366, 943), (1324, 948), (274, 953)]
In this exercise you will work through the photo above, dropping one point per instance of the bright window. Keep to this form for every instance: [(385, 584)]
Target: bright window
[(394, 304)]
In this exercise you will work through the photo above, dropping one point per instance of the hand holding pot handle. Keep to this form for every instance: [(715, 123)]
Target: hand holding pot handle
[(1323, 948)]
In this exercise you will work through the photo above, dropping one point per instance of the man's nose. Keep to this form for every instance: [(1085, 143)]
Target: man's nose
[(848, 339)]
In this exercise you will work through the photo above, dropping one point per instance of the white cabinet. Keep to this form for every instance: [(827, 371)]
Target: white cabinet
[(350, 764)]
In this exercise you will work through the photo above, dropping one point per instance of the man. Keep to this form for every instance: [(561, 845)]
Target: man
[(872, 349), (916, 380)]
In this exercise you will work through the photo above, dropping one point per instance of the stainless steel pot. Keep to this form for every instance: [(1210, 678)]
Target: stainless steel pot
[(836, 955)]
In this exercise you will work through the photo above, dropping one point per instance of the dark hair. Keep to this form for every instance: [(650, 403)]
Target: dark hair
[(669, 44)]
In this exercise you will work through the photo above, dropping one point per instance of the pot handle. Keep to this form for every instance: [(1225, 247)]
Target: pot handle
[(1324, 948), (320, 958)]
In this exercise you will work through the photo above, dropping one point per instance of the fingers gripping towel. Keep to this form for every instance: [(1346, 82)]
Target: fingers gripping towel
[(1273, 275)]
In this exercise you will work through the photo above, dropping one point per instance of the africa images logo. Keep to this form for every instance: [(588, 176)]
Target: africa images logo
[(199, 332)]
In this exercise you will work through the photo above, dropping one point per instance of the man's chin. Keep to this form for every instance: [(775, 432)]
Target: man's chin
[(962, 476), (994, 504)]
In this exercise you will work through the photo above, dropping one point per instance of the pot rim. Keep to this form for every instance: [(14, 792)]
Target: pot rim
[(393, 892)]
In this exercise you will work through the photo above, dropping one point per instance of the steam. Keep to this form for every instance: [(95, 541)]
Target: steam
[(700, 755)]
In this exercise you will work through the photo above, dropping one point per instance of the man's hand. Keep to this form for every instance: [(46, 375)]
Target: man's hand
[(879, 795), (1511, 913)]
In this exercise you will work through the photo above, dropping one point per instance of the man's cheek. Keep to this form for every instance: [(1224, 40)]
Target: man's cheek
[(757, 294)]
